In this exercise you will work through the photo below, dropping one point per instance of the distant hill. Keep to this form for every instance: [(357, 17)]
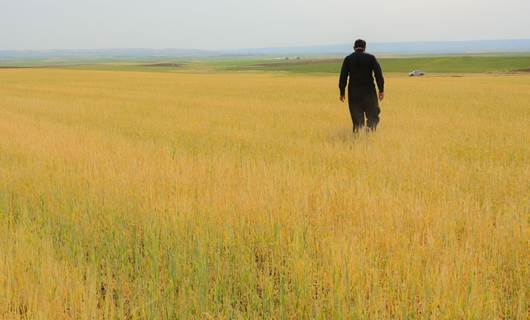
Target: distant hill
[(104, 54), (397, 48), (408, 48)]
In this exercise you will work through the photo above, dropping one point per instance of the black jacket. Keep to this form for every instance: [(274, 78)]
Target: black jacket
[(361, 68)]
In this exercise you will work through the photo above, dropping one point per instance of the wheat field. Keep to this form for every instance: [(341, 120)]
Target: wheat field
[(138, 195)]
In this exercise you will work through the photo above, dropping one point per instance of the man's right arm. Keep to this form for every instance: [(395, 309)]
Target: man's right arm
[(379, 79), (343, 80)]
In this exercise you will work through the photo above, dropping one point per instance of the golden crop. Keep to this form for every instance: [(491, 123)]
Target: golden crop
[(132, 195)]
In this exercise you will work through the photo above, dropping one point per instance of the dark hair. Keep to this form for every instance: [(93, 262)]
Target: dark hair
[(359, 44)]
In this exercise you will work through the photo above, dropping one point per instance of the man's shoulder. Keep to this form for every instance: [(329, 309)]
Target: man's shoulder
[(349, 57), (362, 54), (369, 55)]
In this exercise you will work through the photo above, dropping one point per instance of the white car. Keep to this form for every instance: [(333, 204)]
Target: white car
[(416, 73)]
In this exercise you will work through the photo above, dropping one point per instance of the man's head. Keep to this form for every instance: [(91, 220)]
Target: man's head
[(360, 45)]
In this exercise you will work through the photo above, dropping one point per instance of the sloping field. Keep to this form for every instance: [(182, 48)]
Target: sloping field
[(466, 64), (444, 64), (182, 196)]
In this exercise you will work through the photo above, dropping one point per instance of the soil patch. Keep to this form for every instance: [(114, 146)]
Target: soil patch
[(163, 65), (296, 62)]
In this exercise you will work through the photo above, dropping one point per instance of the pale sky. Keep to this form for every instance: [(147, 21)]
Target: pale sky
[(231, 24)]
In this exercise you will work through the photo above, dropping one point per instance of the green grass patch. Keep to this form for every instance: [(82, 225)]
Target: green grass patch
[(441, 64), (447, 64)]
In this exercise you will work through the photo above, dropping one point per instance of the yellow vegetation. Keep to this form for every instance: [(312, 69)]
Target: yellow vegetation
[(152, 195)]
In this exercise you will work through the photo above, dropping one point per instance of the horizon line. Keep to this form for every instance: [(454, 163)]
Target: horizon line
[(261, 48)]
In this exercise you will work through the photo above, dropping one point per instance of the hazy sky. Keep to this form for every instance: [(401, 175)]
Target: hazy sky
[(228, 24)]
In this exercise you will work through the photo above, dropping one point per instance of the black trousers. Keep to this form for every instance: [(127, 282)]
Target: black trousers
[(362, 105)]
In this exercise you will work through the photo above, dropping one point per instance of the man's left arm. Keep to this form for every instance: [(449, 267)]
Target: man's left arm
[(343, 79)]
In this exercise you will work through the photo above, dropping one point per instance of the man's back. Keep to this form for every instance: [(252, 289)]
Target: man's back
[(361, 68)]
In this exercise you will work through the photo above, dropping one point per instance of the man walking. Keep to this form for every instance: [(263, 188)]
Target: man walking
[(361, 68)]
